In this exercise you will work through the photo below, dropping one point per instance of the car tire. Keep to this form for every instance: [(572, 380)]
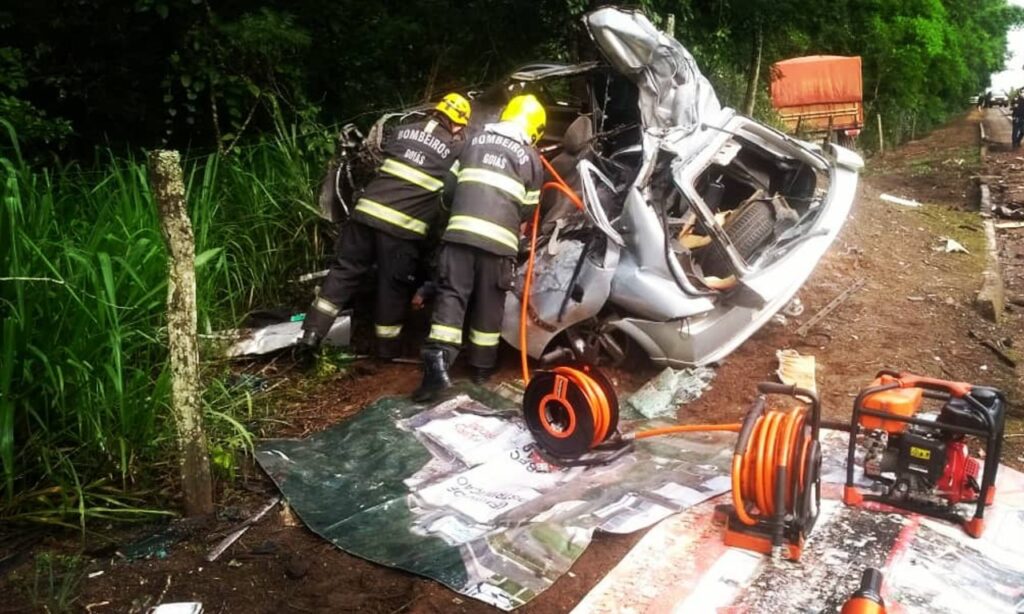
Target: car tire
[(750, 227)]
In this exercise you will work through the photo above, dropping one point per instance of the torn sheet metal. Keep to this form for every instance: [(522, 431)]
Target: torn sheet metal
[(662, 396), (259, 341), (459, 493), (673, 91)]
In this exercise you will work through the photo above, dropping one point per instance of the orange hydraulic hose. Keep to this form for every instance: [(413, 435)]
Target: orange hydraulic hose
[(558, 179), (737, 484), (524, 310), (687, 428), (524, 305), (778, 441), (569, 192)]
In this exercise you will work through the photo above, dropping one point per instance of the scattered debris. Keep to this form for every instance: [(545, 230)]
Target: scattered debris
[(239, 531), (156, 545), (794, 308), (995, 348), (260, 341), (954, 246), (796, 369), (1009, 225), (661, 396), (96, 574), (248, 382), (288, 518), (896, 200), (311, 276), (827, 309), (184, 607), (1012, 212), (512, 390)]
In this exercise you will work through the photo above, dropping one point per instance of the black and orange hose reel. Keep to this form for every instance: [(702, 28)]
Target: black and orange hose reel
[(776, 475), (919, 460), (572, 412)]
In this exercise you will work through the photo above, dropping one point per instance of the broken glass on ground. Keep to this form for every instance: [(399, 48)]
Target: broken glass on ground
[(661, 396)]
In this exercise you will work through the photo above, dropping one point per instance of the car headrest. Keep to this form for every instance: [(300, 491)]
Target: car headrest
[(577, 136)]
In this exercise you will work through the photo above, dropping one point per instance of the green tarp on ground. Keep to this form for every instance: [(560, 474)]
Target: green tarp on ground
[(457, 492)]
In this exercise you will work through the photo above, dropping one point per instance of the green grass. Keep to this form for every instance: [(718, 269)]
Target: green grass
[(83, 382), (55, 583)]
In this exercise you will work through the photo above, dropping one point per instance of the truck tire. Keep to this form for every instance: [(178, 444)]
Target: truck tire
[(750, 227)]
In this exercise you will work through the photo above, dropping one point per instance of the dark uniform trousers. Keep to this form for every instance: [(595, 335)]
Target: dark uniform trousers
[(358, 248), (469, 278)]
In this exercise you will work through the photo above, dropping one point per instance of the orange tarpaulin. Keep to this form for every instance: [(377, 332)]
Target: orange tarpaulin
[(818, 92), (816, 79)]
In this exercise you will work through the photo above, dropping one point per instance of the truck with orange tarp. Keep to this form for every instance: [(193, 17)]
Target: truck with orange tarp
[(820, 96)]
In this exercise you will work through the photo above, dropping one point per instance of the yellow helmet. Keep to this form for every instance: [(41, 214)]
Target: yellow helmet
[(526, 111), (456, 107)]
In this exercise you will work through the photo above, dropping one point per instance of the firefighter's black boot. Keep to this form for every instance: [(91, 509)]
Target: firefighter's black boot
[(481, 375), (435, 376), (305, 351)]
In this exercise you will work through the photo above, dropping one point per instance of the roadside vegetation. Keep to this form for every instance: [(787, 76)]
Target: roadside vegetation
[(251, 95)]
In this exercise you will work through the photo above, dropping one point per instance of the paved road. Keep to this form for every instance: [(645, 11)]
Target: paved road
[(997, 125)]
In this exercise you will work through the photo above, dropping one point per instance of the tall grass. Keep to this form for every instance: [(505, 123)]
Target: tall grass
[(83, 380)]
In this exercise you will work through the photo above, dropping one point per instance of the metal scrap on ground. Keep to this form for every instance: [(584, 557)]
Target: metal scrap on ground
[(832, 306), (260, 341), (232, 537)]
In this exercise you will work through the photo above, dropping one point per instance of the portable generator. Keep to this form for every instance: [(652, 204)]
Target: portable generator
[(917, 455)]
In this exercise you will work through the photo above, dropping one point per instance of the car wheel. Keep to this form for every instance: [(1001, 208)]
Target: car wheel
[(748, 228)]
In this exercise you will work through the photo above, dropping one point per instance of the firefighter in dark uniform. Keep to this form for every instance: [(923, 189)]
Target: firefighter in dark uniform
[(390, 224), (499, 183)]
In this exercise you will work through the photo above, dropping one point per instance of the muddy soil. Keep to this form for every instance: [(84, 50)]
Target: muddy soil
[(913, 313)]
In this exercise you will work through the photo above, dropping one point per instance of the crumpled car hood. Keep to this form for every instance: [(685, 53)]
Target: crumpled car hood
[(673, 91)]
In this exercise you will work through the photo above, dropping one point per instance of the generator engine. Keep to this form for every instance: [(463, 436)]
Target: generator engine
[(919, 457)]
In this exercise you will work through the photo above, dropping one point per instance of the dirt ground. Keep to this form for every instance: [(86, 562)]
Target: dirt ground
[(915, 312)]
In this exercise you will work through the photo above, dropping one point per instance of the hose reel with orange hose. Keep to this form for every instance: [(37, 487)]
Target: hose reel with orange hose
[(776, 475)]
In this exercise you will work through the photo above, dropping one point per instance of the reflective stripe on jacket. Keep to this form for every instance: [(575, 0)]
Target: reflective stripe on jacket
[(499, 184), (405, 198)]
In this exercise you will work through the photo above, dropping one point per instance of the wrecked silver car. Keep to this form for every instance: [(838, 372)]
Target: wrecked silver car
[(696, 230), (698, 224)]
